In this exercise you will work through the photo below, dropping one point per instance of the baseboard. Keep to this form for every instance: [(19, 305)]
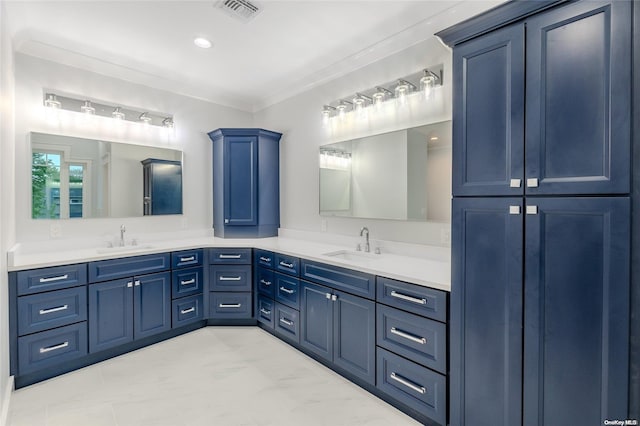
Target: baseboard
[(6, 401)]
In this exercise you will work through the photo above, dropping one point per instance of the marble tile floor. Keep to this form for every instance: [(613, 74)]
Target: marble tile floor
[(214, 376)]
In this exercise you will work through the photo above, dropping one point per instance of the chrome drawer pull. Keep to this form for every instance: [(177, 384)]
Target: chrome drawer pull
[(230, 256), (267, 283), (187, 259), (264, 311), (286, 265), (265, 259), (56, 309), (188, 311), (48, 280), (191, 281), (408, 298), (54, 347), (286, 321), (408, 383), (409, 336), (286, 290), (230, 305), (223, 278)]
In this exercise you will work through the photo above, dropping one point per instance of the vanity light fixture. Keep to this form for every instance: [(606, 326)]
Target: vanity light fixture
[(202, 42), (87, 108), (144, 118), (93, 107), (118, 114), (398, 90), (51, 101), (342, 108)]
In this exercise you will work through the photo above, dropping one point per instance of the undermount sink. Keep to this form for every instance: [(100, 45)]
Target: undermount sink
[(123, 249), (352, 255)]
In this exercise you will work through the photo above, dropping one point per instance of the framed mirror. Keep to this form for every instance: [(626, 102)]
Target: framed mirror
[(86, 178), (401, 175)]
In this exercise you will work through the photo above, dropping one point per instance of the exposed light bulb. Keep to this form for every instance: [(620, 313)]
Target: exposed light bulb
[(118, 114), (87, 108), (52, 101)]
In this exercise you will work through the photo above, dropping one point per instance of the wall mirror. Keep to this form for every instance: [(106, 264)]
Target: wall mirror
[(401, 175), (85, 178)]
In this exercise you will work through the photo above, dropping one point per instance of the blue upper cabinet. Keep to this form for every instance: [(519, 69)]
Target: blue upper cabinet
[(488, 114), (578, 99), (577, 63), (246, 185)]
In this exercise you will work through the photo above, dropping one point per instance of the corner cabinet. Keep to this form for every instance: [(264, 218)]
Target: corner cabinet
[(541, 222), (246, 185)]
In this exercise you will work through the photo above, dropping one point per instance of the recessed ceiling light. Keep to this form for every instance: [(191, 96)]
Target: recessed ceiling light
[(434, 138), (202, 42)]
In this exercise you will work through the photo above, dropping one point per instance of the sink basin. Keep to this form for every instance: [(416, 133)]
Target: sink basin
[(123, 249), (353, 256)]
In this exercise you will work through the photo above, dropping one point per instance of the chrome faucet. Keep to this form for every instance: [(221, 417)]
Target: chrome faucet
[(122, 229), (364, 229)]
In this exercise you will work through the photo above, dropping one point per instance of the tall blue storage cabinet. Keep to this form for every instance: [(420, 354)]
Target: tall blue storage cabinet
[(246, 184), (541, 225), (162, 186)]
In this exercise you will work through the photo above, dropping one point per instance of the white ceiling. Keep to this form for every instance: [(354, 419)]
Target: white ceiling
[(289, 47)]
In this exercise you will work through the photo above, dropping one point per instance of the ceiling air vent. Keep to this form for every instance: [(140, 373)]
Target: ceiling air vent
[(241, 10)]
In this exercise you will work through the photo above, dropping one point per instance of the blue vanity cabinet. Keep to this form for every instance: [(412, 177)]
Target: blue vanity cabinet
[(246, 198), (230, 286), (126, 309), (162, 187), (47, 318), (339, 327), (187, 285)]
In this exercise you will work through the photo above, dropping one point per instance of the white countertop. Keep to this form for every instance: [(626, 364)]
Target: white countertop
[(425, 271)]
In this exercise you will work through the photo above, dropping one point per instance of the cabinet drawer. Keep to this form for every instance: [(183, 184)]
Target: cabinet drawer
[(265, 282), (287, 290), (186, 282), (43, 311), (420, 300), (287, 264), (263, 258), (47, 348), (420, 339), (413, 385), (104, 270), (187, 310), (230, 305), (286, 322), (187, 258), (230, 278), (354, 282), (54, 278), (226, 256), (265, 311)]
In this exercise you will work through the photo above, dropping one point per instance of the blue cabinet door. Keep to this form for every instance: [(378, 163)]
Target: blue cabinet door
[(152, 308), (316, 319), (486, 312), (110, 314), (488, 114), (576, 311), (579, 99), (354, 334), (240, 180)]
